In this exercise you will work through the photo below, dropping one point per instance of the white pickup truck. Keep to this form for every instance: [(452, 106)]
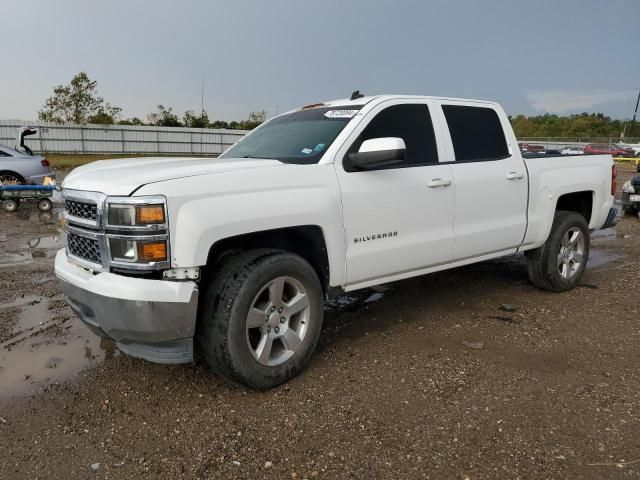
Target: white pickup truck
[(237, 254)]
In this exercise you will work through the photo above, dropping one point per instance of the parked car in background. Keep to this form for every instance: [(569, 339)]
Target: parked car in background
[(20, 167), (613, 150), (629, 151), (631, 195), (573, 151), (530, 148)]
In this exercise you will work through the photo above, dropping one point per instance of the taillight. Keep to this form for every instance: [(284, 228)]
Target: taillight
[(45, 162), (614, 176)]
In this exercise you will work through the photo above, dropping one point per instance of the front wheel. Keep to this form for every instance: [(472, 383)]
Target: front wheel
[(261, 318), (559, 264)]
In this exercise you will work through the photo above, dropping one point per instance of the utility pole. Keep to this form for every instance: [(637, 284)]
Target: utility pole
[(202, 100), (633, 120)]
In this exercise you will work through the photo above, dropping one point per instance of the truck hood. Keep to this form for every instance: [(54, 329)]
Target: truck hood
[(123, 177)]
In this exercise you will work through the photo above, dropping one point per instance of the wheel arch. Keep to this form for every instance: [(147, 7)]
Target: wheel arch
[(580, 202), (14, 173), (308, 241)]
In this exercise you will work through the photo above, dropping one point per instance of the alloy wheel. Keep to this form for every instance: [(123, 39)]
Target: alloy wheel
[(571, 254), (278, 321)]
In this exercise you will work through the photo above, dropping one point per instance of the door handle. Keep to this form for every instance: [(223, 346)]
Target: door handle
[(514, 175), (438, 182)]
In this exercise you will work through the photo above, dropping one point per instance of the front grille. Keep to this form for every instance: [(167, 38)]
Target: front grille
[(86, 211), (82, 247)]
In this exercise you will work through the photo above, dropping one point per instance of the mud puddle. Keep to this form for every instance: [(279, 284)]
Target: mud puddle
[(46, 343), (26, 235), (41, 340)]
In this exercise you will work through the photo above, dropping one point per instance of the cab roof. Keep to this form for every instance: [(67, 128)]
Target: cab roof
[(345, 102)]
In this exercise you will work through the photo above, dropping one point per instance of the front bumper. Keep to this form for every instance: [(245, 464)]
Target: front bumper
[(150, 319)]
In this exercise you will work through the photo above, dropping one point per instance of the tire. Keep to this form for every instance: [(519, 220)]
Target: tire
[(630, 210), (11, 205), (228, 342), (44, 205), (555, 266), (8, 177)]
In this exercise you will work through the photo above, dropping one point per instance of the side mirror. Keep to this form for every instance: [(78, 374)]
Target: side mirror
[(378, 152)]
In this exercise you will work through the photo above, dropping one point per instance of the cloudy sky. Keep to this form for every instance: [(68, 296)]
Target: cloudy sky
[(544, 56)]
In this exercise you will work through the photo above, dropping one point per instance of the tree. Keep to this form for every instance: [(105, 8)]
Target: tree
[(219, 124), (131, 121), (78, 102), (164, 117), (255, 119), (195, 121), (581, 125)]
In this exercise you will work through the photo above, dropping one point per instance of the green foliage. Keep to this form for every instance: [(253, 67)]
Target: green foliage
[(581, 125), (78, 102), (195, 121), (255, 119), (131, 121), (164, 117)]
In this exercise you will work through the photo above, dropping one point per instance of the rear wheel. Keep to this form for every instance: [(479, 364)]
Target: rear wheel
[(10, 178), (559, 264), (11, 205), (44, 205), (261, 318)]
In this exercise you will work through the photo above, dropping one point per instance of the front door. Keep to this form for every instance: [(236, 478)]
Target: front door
[(398, 218)]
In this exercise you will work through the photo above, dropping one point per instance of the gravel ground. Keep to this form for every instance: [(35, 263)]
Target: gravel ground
[(470, 373)]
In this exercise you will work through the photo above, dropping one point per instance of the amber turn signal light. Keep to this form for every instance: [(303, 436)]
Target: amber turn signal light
[(152, 251), (149, 214)]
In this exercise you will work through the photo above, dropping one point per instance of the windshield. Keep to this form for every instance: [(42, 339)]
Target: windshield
[(299, 137)]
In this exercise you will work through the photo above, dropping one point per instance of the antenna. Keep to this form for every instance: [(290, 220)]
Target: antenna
[(356, 95)]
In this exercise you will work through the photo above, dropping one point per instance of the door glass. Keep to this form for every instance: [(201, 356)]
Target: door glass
[(476, 133), (412, 123)]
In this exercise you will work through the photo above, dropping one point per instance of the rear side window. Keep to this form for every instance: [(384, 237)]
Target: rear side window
[(412, 123), (4, 154), (476, 133)]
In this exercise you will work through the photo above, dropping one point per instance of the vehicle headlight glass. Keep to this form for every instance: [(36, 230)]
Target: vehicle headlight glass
[(627, 187), (124, 215), (137, 232), (138, 251)]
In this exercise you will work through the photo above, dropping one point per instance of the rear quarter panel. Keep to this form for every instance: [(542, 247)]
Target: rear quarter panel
[(552, 177), (25, 166)]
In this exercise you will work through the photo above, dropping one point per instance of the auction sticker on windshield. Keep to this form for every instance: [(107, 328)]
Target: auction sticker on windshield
[(340, 113)]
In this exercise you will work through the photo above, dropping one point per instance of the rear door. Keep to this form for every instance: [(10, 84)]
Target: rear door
[(397, 219), (490, 180)]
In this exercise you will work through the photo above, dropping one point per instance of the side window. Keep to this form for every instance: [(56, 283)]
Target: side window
[(4, 154), (412, 123), (476, 133)]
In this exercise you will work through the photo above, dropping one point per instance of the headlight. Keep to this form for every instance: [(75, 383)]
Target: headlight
[(137, 250), (628, 188), (135, 215), (137, 232)]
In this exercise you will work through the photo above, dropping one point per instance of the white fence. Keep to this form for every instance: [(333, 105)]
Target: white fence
[(561, 142), (120, 139)]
